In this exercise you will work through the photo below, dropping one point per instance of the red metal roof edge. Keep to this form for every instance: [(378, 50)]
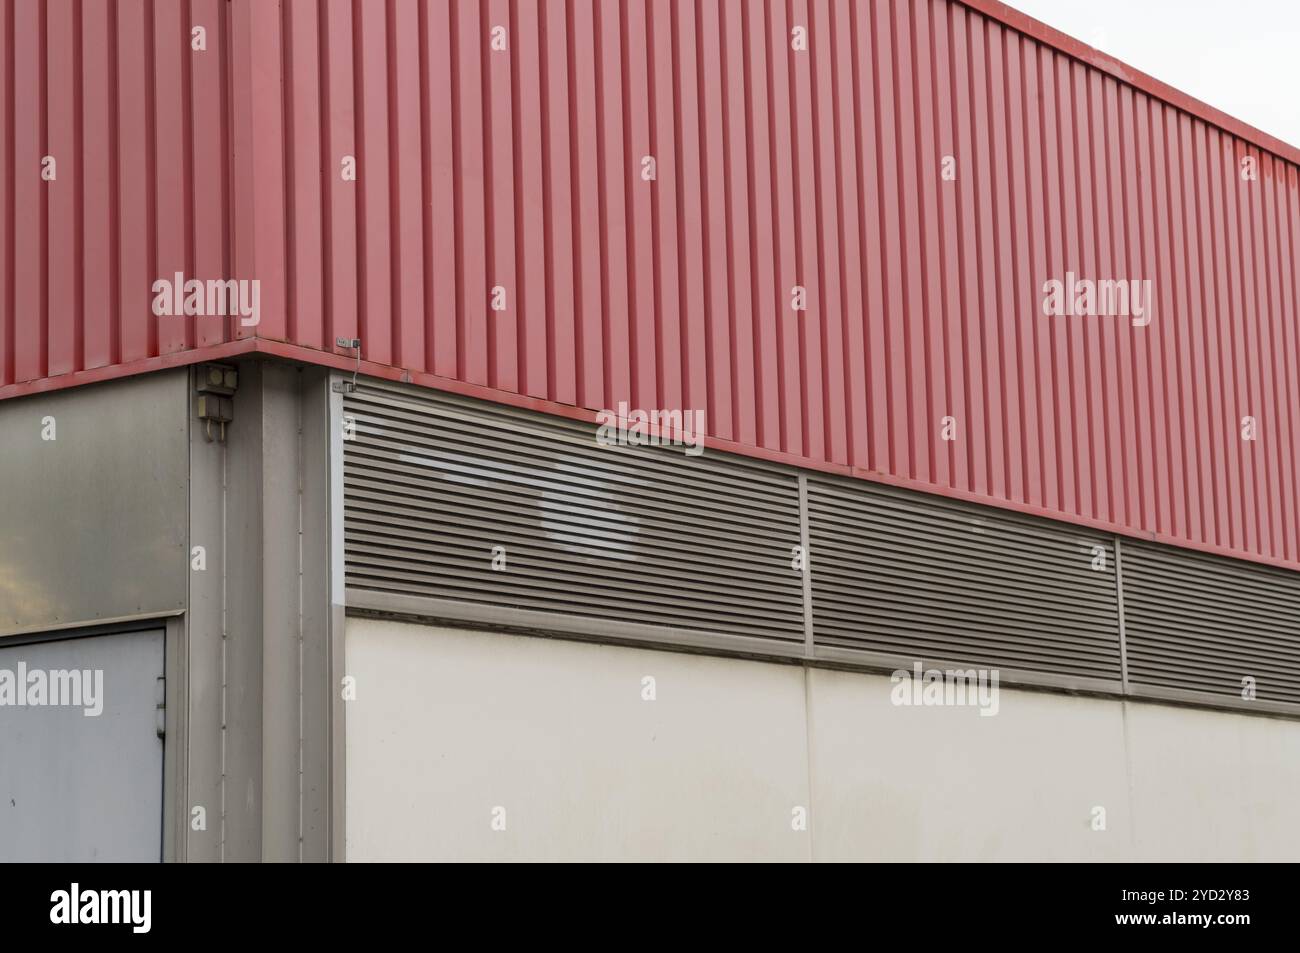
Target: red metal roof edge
[(307, 355), (1118, 69), (144, 365)]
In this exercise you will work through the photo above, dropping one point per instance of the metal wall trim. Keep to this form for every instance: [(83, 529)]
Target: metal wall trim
[(366, 601), (337, 562), (1207, 700), (889, 662), (134, 623), (433, 611), (805, 543), (425, 611), (1119, 600)]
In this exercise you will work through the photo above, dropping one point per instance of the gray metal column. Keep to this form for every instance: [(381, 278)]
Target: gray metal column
[(316, 626), (260, 622), (205, 639)]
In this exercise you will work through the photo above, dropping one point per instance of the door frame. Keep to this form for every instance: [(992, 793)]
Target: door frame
[(174, 723)]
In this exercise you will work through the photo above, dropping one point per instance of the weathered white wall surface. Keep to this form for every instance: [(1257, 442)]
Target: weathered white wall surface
[(915, 783), (449, 724), (1209, 786)]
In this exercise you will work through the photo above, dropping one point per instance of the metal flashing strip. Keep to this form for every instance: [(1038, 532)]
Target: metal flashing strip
[(386, 604), (1019, 677), (76, 629)]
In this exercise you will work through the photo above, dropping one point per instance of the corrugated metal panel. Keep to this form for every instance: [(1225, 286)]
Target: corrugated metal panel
[(907, 576), (643, 534), (139, 128), (521, 167), (1202, 624)]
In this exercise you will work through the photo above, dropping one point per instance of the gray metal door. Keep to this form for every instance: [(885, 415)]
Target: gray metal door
[(81, 758)]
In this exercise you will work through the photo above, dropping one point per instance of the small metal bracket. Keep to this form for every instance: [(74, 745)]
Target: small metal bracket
[(216, 385), (219, 379), (350, 344)]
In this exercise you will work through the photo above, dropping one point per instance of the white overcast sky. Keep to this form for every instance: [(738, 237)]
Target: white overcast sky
[(1241, 56)]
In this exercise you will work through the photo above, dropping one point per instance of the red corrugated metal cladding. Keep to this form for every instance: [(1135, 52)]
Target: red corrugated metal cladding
[(646, 185), (117, 155)]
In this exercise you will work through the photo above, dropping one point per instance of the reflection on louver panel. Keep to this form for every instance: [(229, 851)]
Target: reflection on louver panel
[(647, 534)]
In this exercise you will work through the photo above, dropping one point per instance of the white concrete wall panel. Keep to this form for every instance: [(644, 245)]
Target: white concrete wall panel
[(449, 724), (895, 782), (1214, 786)]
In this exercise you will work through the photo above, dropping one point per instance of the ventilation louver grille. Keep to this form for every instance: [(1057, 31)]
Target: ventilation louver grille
[(646, 535), (902, 575), (1202, 623), (653, 544)]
